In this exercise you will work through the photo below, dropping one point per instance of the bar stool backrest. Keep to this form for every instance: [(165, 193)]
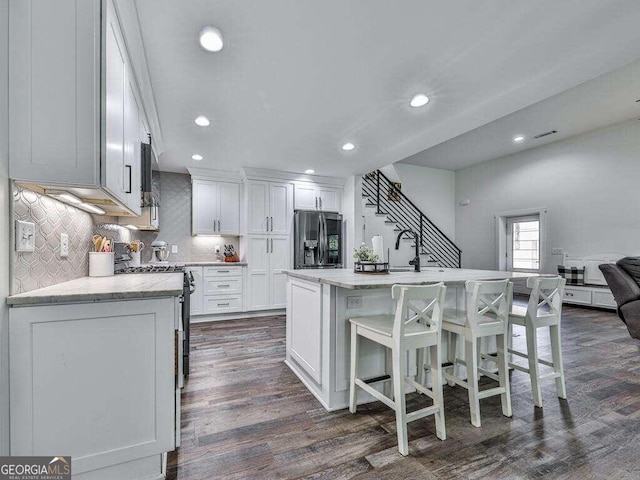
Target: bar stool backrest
[(488, 302), (546, 297), (423, 304)]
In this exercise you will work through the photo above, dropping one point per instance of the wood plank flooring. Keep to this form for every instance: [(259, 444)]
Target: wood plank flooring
[(246, 416)]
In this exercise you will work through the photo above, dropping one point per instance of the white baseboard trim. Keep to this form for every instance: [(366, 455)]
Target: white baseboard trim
[(236, 316)]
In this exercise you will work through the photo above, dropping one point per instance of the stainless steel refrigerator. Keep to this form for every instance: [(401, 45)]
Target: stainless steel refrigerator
[(318, 239)]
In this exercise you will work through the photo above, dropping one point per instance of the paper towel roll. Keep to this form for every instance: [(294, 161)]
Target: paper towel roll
[(378, 247)]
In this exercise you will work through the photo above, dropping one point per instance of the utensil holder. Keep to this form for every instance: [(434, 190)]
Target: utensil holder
[(101, 264), (135, 259)]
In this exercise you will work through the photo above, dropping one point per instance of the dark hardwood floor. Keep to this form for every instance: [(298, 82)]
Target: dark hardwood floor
[(245, 415)]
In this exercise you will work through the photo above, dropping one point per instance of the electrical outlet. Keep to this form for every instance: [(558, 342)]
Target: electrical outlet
[(174, 248), (217, 249), (354, 302), (64, 245), (25, 236), (557, 251)]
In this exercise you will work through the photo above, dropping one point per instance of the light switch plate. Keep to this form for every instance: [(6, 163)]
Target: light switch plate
[(557, 251), (64, 245), (174, 248), (354, 302), (217, 249), (25, 236)]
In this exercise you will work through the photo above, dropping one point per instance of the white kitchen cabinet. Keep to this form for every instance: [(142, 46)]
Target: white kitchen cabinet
[(269, 207), (311, 196), (267, 256), (73, 107), (96, 381), (216, 208), (219, 289)]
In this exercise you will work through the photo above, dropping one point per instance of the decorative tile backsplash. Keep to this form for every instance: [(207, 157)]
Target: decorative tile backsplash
[(175, 224), (44, 266)]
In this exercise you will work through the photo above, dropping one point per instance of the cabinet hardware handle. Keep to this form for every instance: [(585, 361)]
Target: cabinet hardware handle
[(225, 286), (223, 271), (130, 186), (267, 245), (320, 198), (271, 223), (271, 245), (316, 203), (569, 294), (219, 229), (223, 304)]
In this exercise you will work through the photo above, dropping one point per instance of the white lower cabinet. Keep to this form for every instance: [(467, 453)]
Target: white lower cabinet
[(98, 382), (591, 295), (219, 289), (267, 256)]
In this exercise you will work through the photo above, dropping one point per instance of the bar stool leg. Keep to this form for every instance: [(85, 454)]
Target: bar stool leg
[(471, 355), (436, 388), (556, 352), (353, 396), (399, 361), (453, 340), (503, 373), (534, 366)]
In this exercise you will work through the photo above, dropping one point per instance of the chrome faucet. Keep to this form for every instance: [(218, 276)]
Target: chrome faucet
[(416, 259)]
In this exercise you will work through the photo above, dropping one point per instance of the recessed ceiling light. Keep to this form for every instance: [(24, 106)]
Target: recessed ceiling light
[(518, 138), (196, 157), (309, 171), (202, 121), (419, 100), (211, 39), (348, 146)]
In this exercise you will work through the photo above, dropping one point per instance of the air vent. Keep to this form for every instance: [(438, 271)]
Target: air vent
[(546, 134)]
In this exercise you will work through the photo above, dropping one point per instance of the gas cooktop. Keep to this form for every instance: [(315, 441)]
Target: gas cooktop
[(153, 269)]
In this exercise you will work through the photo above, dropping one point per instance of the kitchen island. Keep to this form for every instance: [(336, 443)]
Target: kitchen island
[(319, 305)]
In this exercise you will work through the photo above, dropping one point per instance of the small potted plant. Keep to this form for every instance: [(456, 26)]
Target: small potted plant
[(364, 255)]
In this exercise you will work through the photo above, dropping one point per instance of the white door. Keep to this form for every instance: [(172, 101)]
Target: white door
[(330, 199), (523, 243), (115, 102), (257, 207), (258, 272), (131, 172), (205, 207), (229, 210), (306, 197), (196, 297), (280, 208), (279, 260)]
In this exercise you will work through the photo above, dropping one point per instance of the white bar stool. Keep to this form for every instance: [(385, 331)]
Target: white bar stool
[(545, 291), (414, 326), (486, 315)]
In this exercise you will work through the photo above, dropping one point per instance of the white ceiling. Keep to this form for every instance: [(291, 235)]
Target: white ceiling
[(606, 100), (297, 79)]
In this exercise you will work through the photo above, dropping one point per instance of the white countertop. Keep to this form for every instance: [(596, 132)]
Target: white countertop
[(345, 278), (96, 289), (213, 264)]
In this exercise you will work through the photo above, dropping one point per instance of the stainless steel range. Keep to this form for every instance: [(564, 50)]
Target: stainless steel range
[(188, 287)]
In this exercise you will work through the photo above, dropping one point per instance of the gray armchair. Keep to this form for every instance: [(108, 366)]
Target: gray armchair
[(623, 278)]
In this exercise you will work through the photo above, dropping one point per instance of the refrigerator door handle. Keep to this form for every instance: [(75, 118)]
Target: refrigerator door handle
[(322, 234)]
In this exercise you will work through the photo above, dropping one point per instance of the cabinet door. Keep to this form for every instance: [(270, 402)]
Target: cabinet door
[(132, 166), (54, 91), (197, 295), (306, 197), (229, 208), (257, 293), (205, 207), (281, 210), (279, 260), (330, 199), (257, 206), (115, 88)]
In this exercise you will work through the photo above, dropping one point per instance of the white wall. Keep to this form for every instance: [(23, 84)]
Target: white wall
[(431, 189), (589, 183), (4, 229)]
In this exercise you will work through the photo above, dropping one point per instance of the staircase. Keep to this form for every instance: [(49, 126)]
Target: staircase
[(400, 213)]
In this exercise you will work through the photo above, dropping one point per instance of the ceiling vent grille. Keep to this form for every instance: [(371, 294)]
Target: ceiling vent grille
[(545, 134)]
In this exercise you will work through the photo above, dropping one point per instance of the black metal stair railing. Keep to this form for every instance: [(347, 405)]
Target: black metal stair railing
[(389, 201)]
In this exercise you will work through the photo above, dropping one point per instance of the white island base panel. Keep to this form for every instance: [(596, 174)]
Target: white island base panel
[(318, 337)]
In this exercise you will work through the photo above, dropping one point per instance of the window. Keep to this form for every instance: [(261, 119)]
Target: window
[(523, 243)]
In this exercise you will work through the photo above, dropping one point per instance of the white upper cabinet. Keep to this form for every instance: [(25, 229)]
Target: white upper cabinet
[(74, 109), (216, 208), (269, 207), (311, 196)]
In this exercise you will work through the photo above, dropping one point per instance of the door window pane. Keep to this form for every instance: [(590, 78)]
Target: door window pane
[(526, 244)]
